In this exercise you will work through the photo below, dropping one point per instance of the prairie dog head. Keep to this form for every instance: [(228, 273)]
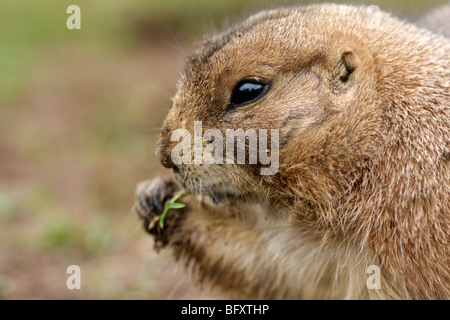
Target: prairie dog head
[(311, 74)]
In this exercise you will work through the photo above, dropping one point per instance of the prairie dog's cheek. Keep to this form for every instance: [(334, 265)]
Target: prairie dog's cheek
[(295, 100)]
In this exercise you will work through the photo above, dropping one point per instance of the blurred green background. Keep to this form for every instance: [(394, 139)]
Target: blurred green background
[(80, 112)]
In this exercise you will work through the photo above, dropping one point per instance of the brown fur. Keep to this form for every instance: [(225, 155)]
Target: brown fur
[(364, 177)]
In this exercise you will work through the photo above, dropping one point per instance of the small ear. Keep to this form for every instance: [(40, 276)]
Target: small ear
[(341, 77)]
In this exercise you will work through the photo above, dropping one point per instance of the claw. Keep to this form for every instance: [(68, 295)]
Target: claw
[(144, 202), (156, 200), (140, 210)]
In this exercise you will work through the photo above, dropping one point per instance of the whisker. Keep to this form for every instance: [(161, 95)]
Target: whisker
[(184, 179), (174, 289), (177, 46), (214, 198)]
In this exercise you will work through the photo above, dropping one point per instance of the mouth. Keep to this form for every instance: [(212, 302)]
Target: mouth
[(216, 192)]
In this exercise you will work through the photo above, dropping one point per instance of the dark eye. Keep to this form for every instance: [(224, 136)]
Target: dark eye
[(247, 91)]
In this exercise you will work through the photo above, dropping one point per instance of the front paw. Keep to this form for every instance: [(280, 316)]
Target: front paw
[(151, 198)]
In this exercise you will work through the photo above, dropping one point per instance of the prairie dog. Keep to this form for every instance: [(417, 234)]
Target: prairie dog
[(363, 116)]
